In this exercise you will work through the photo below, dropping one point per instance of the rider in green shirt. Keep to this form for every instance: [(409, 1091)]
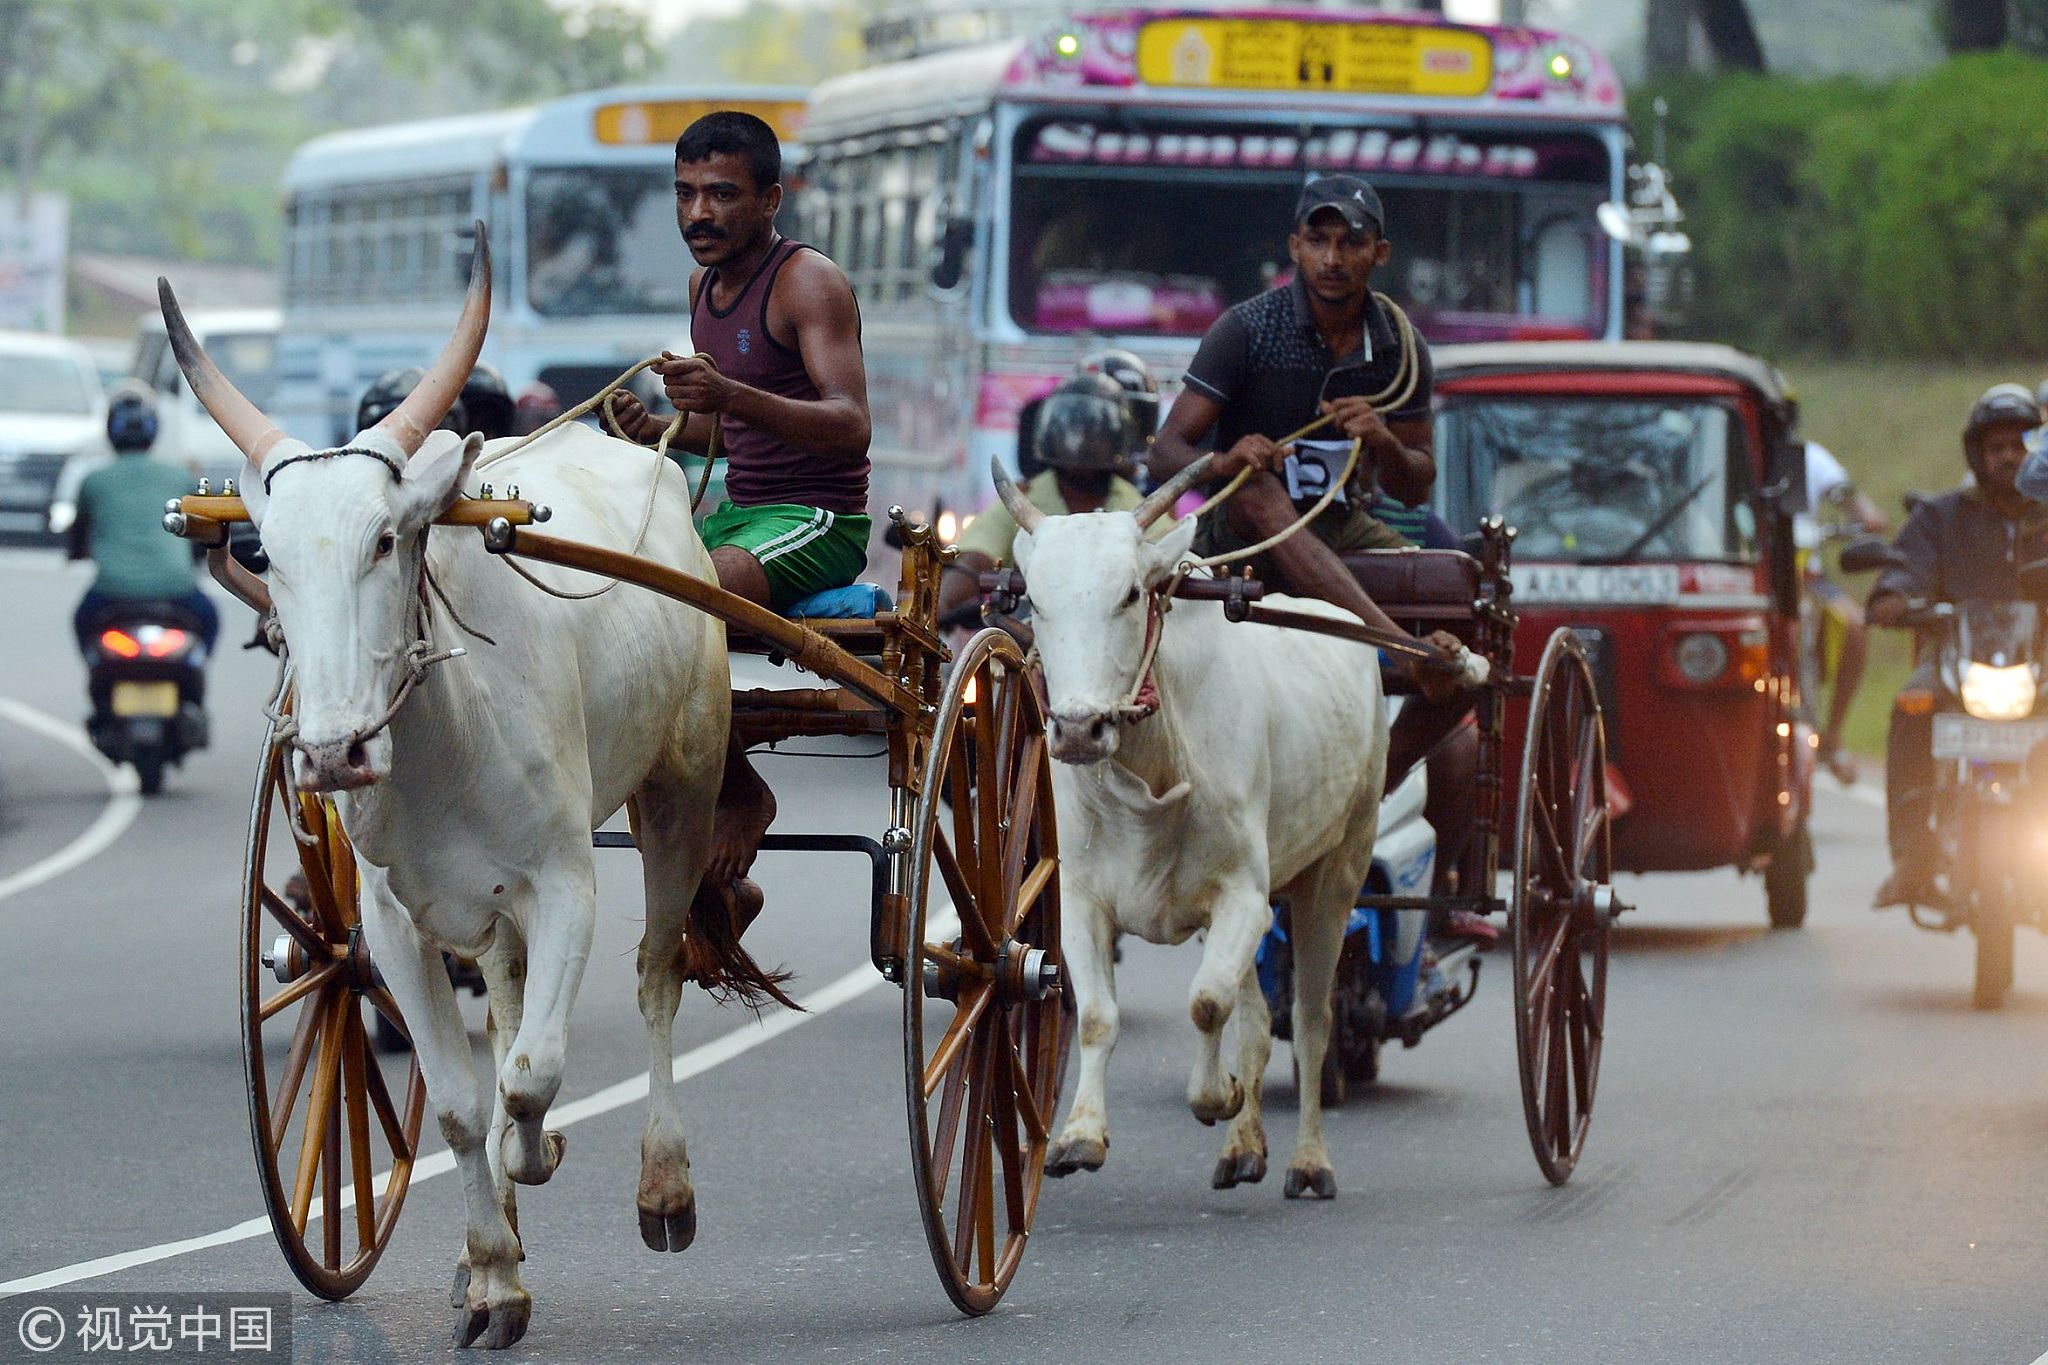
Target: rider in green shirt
[(120, 526)]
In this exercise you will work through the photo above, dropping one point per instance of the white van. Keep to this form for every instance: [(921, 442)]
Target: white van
[(243, 343)]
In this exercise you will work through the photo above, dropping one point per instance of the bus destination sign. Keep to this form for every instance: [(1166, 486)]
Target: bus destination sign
[(642, 123), (1309, 54)]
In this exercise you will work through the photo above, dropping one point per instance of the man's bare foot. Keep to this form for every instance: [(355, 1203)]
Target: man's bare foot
[(1439, 682), (745, 810)]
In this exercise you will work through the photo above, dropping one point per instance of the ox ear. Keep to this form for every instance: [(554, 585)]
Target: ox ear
[(434, 478), (1020, 549), (1158, 559)]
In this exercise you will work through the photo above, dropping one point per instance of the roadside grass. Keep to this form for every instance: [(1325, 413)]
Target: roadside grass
[(1895, 426)]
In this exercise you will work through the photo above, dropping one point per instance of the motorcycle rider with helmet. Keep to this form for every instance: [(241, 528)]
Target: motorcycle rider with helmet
[(120, 526), (1086, 439), (1966, 544)]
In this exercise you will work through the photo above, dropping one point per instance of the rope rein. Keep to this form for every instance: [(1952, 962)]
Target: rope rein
[(602, 403), (1142, 700)]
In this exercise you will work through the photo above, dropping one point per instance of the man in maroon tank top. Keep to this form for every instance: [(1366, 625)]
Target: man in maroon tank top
[(787, 390)]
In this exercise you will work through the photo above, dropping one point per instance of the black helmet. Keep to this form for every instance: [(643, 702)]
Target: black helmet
[(2003, 403), (389, 390), (1085, 426), (131, 419), (1134, 377), (487, 403)]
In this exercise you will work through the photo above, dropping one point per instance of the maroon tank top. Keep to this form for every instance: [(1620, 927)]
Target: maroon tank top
[(762, 468)]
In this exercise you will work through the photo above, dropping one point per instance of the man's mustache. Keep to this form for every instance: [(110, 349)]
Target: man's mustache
[(705, 234)]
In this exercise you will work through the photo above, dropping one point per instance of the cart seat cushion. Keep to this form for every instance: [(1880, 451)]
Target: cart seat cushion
[(852, 602), (1416, 578)]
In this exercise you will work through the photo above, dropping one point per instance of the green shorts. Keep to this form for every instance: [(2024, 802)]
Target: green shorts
[(1344, 527), (802, 549)]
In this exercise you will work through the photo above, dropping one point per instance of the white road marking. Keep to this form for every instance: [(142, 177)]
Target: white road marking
[(124, 801), (694, 1062), (1864, 793)]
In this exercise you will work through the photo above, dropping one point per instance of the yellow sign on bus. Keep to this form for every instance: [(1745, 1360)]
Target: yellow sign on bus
[(642, 123), (1309, 54)]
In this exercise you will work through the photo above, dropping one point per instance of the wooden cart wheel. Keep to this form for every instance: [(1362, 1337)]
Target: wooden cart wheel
[(1562, 903), (321, 1100), (984, 1024)]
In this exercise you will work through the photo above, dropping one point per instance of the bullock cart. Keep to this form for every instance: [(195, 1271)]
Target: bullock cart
[(964, 917), (1556, 865)]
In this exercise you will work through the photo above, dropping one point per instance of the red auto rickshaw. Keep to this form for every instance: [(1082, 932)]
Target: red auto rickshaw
[(1652, 487)]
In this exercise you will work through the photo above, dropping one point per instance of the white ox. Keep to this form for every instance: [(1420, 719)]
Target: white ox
[(471, 812), (1259, 776)]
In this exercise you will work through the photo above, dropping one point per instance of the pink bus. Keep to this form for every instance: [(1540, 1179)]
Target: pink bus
[(1122, 177)]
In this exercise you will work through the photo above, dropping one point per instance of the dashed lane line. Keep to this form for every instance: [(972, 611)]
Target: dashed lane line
[(124, 801)]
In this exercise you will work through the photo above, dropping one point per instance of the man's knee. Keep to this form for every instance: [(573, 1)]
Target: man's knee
[(741, 574)]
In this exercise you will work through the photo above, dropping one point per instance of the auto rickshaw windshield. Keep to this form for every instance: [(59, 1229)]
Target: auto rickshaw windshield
[(1601, 479)]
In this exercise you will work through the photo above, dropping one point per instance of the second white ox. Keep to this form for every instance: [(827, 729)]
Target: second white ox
[(1258, 776), (471, 810)]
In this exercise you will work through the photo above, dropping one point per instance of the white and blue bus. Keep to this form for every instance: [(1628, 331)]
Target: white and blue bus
[(589, 275)]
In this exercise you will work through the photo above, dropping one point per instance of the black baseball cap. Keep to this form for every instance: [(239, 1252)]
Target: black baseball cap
[(1355, 200)]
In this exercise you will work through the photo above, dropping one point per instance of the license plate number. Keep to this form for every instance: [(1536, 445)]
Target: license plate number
[(1987, 741), (145, 699), (1592, 584)]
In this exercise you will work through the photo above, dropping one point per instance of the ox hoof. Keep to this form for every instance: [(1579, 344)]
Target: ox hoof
[(1212, 1111), (1246, 1168), (669, 1231), (553, 1147), (458, 1297), (1069, 1155), (1320, 1183), (496, 1327)]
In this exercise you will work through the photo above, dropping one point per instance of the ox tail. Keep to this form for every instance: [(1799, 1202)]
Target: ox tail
[(714, 958)]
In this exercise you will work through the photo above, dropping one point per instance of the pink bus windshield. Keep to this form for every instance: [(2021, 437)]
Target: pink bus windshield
[(1153, 225)]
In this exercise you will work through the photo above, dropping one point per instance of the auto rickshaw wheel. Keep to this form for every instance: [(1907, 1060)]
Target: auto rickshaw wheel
[(986, 1011), (1785, 878), (1561, 906), (325, 1114)]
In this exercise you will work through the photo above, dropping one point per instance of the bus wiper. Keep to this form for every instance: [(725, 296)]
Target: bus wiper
[(1655, 528)]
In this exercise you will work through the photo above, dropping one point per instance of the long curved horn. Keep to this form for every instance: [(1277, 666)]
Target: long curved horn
[(1167, 494), (1027, 516), (245, 425), (431, 398)]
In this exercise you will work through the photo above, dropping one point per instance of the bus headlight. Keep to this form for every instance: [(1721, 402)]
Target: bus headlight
[(1701, 658), (1998, 693)]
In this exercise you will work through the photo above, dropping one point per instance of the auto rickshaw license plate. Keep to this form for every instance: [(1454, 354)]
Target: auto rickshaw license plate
[(145, 699), (1987, 741)]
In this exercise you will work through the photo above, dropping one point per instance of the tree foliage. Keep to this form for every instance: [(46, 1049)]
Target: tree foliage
[(169, 121)]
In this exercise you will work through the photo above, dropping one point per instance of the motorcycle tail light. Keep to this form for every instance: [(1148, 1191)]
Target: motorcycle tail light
[(121, 643), (166, 643), (1998, 693)]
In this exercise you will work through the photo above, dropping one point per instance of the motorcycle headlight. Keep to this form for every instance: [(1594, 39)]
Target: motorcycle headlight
[(1998, 693)]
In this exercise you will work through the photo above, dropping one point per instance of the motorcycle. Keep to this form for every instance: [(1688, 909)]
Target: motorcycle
[(1991, 767), (1392, 981), (146, 675)]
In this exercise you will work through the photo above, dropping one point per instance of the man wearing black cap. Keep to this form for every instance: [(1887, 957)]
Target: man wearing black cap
[(1321, 344)]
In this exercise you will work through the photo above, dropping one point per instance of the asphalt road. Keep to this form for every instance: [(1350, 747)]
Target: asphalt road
[(1808, 1147)]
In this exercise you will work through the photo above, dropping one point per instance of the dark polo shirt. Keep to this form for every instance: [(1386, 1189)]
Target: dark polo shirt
[(1269, 367)]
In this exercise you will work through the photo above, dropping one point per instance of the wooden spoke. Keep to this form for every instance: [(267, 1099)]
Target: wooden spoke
[(296, 1056), (1021, 1089), (292, 922), (967, 1015), (1029, 891), (326, 1073), (387, 1114), (330, 1177), (1553, 946), (312, 981), (982, 1078), (355, 1063), (380, 1000)]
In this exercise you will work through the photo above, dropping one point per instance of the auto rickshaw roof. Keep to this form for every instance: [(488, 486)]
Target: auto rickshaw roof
[(1609, 357)]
